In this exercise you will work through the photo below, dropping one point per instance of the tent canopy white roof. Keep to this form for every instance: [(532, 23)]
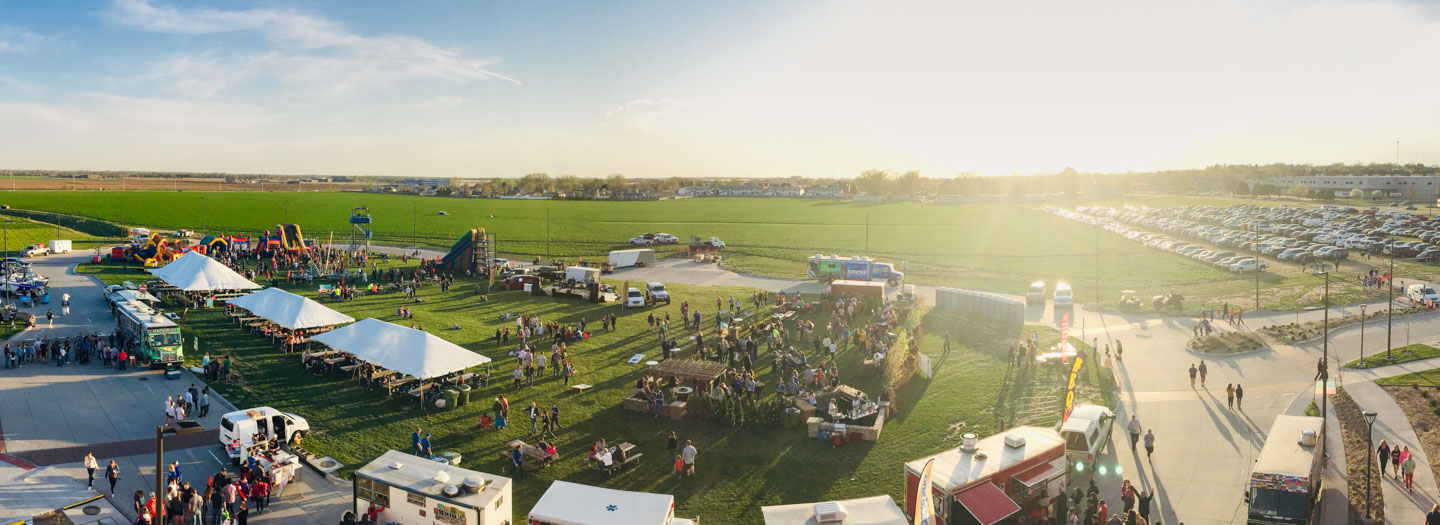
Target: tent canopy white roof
[(566, 503), (289, 310), (195, 272), (874, 510), (404, 350)]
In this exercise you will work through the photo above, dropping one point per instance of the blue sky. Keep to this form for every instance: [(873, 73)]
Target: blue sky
[(744, 88)]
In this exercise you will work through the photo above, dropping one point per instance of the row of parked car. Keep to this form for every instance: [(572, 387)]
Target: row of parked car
[(1112, 220), (1367, 230)]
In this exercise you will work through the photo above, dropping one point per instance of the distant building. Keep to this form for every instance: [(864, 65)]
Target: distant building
[(831, 191), (782, 191), (749, 189), (693, 191), (1409, 186)]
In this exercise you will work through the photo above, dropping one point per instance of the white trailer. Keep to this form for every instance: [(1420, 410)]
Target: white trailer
[(411, 490), (566, 503), (60, 246), (626, 258), (582, 274)]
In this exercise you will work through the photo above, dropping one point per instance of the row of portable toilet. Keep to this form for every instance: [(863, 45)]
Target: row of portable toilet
[(983, 303)]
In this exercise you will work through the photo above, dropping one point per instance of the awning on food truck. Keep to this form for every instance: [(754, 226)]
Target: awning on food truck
[(289, 310), (1037, 475), (195, 272), (987, 503), (404, 350), (566, 503)]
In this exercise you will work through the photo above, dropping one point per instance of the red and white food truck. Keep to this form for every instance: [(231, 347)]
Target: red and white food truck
[(986, 481)]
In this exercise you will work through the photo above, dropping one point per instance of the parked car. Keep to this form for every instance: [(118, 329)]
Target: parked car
[(1086, 433)]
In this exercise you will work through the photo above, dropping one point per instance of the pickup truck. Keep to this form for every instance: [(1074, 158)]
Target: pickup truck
[(35, 250), (713, 244)]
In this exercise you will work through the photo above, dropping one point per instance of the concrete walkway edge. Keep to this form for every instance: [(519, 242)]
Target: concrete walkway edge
[(1401, 505)]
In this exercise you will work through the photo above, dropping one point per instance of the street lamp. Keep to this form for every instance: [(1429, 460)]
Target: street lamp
[(1370, 440), (1325, 366), (1390, 310), (1362, 335)]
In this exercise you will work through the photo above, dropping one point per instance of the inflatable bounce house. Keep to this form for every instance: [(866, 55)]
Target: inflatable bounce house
[(470, 254), (286, 237)]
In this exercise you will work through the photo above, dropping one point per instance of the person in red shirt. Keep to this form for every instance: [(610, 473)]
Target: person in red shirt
[(258, 490), (1103, 512)]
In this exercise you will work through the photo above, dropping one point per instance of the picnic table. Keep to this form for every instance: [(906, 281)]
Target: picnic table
[(324, 353), (580, 388), (382, 373), (334, 360), (530, 451), (421, 389), (398, 384), (242, 319), (616, 464)]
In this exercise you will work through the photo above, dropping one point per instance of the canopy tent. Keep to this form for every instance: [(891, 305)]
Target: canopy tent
[(195, 272), (874, 510), (566, 503), (404, 350), (289, 310)]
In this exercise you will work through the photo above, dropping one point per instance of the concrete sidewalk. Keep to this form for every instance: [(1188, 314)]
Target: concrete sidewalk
[(1401, 505)]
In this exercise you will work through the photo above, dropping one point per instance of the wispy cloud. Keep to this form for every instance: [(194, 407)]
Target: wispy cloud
[(440, 102), (641, 113), (19, 41), (307, 55)]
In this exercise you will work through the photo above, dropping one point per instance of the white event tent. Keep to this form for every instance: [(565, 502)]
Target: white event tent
[(288, 310), (404, 350), (566, 503), (196, 272)]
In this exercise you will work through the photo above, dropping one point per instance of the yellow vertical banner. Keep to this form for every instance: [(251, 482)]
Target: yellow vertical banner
[(1070, 388), (925, 496)]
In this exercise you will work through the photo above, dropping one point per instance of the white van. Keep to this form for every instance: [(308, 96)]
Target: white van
[(1420, 293), (1063, 297), (633, 298), (242, 426), (1086, 433)]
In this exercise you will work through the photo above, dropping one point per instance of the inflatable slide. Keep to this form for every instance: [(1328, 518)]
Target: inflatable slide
[(469, 254)]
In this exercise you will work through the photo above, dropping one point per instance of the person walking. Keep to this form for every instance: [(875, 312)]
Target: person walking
[(1143, 504), (1149, 443), (534, 414), (1320, 372), (90, 466), (1204, 371), (415, 441), (1134, 428), (112, 474), (1408, 467), (1239, 396), (1230, 395), (1193, 371), (425, 446), (1395, 458), (554, 414), (688, 455), (1433, 518), (1384, 452)]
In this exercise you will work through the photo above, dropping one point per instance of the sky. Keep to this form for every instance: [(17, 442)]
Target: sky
[(742, 88)]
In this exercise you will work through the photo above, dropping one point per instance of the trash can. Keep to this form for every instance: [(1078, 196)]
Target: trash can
[(464, 394), (791, 418), (45, 299), (452, 396)]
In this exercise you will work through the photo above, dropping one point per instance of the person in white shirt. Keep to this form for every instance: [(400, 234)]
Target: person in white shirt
[(605, 457), (1134, 428)]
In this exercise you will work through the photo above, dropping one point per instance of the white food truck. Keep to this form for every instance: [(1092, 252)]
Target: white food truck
[(411, 490), (1287, 475), (239, 429)]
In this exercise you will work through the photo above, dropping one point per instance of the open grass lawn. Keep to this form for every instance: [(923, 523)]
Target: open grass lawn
[(739, 469), (1001, 247), (25, 232), (1402, 354)]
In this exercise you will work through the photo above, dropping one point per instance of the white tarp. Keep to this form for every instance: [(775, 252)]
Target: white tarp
[(404, 350), (566, 503), (195, 272), (875, 510), (289, 310)]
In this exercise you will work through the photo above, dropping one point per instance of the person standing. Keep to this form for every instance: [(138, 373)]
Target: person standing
[(425, 446), (112, 474), (1433, 518), (1230, 395), (555, 414), (90, 466), (1144, 504), (517, 459), (1149, 443), (1203, 372), (258, 492), (1193, 371), (1239, 396), (415, 441), (671, 444), (534, 414), (1408, 467), (1134, 428), (195, 509), (688, 454), (1384, 452)]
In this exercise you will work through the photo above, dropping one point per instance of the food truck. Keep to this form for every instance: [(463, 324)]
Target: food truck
[(148, 333), (240, 429), (566, 503), (1287, 475), (411, 490), (855, 268), (874, 510), (987, 480)]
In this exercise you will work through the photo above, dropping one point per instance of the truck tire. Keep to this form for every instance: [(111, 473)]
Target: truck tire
[(893, 282)]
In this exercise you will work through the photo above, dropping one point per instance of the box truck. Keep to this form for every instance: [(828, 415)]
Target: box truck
[(833, 267)]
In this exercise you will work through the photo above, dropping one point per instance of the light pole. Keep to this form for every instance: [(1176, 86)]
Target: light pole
[(1325, 365), (1362, 336), (6, 225), (1255, 243), (1390, 309), (867, 234), (1370, 440), (1097, 263)]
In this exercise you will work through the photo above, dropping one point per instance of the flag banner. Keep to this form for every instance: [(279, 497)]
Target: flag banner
[(924, 497), (1070, 388)]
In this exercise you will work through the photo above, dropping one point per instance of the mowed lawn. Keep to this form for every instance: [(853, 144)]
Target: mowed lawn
[(25, 232), (1001, 247), (739, 469)]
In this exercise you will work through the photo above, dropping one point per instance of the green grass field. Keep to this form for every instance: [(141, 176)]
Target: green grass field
[(1404, 354), (25, 232), (739, 469), (1000, 247)]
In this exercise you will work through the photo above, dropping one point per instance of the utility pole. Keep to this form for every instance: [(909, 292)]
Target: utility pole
[(415, 225), (1325, 362), (867, 234), (547, 234), (159, 472), (1255, 243), (7, 268), (1362, 336), (202, 214), (1097, 263)]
